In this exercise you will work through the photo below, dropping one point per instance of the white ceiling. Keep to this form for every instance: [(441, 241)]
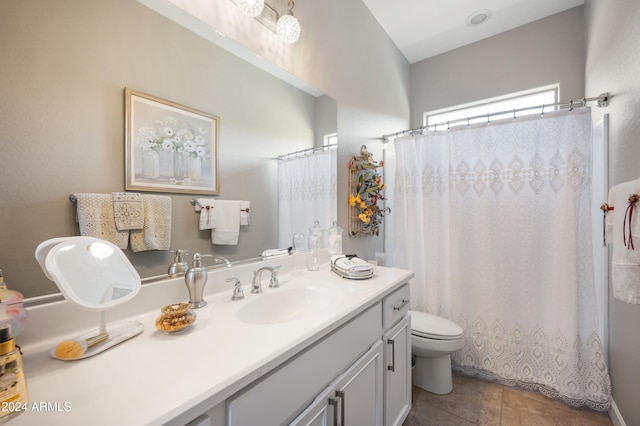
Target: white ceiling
[(425, 28)]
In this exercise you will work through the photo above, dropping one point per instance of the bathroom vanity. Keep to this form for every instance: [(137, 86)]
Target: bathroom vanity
[(318, 346)]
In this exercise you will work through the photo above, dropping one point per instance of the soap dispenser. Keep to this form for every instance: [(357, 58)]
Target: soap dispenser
[(179, 266), (196, 278)]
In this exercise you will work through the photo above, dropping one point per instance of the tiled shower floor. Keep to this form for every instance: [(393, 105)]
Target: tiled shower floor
[(478, 402)]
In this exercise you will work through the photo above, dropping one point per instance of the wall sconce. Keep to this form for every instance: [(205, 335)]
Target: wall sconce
[(284, 24), (251, 8), (288, 27)]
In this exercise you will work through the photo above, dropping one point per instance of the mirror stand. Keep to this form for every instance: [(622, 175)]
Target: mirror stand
[(94, 275)]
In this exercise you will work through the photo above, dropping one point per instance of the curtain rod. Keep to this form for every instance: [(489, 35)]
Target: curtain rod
[(306, 151), (601, 101)]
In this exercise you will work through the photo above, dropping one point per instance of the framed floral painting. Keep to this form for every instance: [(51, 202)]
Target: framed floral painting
[(169, 147)]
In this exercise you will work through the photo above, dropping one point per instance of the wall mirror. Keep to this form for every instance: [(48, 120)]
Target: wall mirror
[(64, 126)]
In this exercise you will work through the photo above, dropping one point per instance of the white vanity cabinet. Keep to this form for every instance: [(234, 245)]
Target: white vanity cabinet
[(354, 398), (335, 361), (397, 356), (326, 367), (359, 391)]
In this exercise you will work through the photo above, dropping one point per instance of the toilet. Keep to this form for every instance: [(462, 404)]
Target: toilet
[(433, 340)]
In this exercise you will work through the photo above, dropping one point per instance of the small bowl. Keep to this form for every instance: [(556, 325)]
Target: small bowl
[(175, 318)]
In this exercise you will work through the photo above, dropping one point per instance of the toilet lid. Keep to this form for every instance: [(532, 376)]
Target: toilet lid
[(434, 327)]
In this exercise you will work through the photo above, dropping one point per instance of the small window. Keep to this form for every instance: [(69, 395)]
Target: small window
[(464, 114), (330, 139)]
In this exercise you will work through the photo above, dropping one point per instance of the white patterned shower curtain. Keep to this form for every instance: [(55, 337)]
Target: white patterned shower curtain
[(495, 221), (307, 192)]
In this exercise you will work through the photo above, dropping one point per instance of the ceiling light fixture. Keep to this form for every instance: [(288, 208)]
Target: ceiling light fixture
[(288, 27), (251, 8), (478, 17)]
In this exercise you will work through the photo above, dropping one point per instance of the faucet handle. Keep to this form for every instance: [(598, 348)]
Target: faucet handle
[(274, 283), (238, 294)]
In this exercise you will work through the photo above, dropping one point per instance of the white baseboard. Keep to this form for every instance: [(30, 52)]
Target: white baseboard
[(615, 416)]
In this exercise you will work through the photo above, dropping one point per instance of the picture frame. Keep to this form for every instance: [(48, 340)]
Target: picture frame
[(169, 147)]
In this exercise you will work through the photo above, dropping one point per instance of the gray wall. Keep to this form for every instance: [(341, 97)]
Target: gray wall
[(544, 52), (613, 65), (64, 68)]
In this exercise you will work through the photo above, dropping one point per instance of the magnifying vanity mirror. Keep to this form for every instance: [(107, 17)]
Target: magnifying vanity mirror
[(94, 275)]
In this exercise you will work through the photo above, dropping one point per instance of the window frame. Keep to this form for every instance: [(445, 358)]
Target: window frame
[(460, 114)]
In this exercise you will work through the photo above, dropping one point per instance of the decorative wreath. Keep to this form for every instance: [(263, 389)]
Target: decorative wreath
[(367, 193)]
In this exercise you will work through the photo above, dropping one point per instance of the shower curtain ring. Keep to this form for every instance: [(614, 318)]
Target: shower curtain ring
[(542, 112)]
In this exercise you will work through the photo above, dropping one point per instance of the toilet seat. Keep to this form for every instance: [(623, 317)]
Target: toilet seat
[(433, 327)]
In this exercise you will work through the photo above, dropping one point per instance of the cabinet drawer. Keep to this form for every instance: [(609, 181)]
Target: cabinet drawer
[(395, 305)]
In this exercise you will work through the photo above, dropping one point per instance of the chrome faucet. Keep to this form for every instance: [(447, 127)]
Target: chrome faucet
[(224, 260), (256, 286)]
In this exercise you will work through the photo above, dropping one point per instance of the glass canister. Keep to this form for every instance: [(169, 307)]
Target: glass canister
[(316, 242), (316, 236), (334, 239)]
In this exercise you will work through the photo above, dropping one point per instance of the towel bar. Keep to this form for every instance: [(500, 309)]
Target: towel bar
[(194, 202)]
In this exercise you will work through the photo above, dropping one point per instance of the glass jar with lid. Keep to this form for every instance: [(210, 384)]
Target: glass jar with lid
[(334, 239)]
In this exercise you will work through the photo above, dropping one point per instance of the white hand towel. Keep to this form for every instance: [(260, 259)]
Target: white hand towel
[(244, 212), (96, 219), (128, 209), (625, 269), (276, 252), (226, 215), (205, 206), (156, 234)]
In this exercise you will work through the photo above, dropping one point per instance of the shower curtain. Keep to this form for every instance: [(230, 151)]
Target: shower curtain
[(495, 221), (307, 192)]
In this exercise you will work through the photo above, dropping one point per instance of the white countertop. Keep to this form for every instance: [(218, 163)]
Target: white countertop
[(154, 377)]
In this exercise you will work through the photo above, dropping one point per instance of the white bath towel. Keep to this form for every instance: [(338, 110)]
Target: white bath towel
[(245, 206), (226, 215), (96, 219), (205, 207), (128, 209), (625, 270), (156, 234)]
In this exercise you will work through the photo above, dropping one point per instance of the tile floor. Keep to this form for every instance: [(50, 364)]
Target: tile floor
[(478, 402)]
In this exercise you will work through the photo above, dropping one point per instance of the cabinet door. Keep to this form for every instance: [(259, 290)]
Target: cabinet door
[(397, 378), (321, 412), (359, 391)]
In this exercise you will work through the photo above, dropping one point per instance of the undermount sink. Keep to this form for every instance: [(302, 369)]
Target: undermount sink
[(288, 304)]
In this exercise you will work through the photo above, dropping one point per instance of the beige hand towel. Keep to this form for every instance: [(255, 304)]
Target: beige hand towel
[(227, 218), (205, 206), (96, 219), (128, 210), (156, 234)]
